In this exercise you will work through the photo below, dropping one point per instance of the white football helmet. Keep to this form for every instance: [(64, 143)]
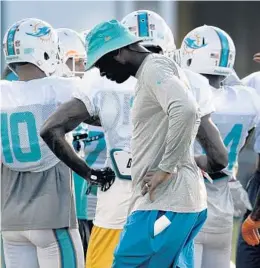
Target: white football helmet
[(72, 47), (208, 50), (83, 34), (152, 28), (34, 41)]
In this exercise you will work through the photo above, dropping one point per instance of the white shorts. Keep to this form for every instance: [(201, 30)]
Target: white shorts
[(213, 250), (60, 248)]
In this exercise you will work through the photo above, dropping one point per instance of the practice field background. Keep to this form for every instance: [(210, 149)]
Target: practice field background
[(239, 18)]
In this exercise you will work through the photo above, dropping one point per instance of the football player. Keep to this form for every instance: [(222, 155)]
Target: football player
[(210, 51), (88, 140), (39, 225), (111, 104)]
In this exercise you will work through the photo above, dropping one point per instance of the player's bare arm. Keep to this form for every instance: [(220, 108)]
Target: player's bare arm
[(67, 117), (208, 136)]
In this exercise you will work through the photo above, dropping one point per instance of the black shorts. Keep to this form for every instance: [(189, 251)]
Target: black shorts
[(84, 234), (248, 256), (90, 225)]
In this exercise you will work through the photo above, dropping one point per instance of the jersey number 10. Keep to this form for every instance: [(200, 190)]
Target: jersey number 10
[(10, 137)]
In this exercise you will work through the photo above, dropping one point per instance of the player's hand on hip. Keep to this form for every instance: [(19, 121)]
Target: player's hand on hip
[(152, 180), (250, 231)]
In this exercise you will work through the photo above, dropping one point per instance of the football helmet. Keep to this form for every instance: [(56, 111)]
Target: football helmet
[(72, 47), (83, 34), (34, 41), (208, 50), (153, 30)]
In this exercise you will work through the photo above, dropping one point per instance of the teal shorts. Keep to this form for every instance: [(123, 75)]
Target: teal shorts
[(173, 247)]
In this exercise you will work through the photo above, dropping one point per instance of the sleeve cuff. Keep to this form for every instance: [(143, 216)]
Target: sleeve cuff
[(86, 102), (167, 168)]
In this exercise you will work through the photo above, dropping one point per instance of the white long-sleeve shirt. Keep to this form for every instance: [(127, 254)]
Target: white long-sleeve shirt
[(165, 120)]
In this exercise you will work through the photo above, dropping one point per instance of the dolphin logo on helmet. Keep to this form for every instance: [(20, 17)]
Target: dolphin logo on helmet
[(42, 31), (192, 43)]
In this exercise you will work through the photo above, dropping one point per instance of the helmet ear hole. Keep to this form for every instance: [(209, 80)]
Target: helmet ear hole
[(46, 56), (189, 62)]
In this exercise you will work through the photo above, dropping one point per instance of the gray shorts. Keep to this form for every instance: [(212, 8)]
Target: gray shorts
[(37, 200)]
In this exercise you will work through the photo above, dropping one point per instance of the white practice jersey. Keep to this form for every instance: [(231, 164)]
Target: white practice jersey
[(112, 103), (253, 80), (237, 112), (25, 106), (202, 91)]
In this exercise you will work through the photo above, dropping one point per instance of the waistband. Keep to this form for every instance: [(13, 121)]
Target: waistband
[(218, 175)]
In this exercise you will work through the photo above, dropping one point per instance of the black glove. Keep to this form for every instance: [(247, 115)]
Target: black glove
[(103, 178), (80, 137)]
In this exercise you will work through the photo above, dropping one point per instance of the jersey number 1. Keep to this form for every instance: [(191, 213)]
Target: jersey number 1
[(11, 145), (233, 137)]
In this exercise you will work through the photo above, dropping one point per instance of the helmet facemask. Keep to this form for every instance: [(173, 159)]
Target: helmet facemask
[(72, 51)]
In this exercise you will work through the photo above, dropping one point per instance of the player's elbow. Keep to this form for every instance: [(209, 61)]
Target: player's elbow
[(225, 158), (47, 132), (220, 162), (218, 166), (223, 162)]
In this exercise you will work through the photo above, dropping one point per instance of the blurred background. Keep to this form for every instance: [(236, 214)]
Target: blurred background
[(238, 18)]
